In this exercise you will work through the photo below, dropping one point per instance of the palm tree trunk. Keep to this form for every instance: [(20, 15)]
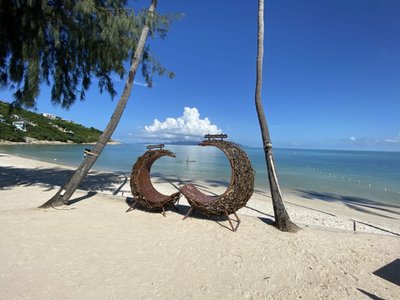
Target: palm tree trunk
[(282, 220), (67, 190)]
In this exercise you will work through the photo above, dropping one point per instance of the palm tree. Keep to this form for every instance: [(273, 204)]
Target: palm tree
[(67, 190), (282, 220)]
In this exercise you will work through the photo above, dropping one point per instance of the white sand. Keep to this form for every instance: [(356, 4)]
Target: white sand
[(94, 250)]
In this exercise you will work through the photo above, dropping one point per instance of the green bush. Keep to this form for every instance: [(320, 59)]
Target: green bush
[(10, 133)]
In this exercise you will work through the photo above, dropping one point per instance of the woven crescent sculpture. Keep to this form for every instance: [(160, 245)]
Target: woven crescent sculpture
[(240, 188), (142, 189)]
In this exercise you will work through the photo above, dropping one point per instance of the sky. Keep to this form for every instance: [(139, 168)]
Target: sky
[(331, 77)]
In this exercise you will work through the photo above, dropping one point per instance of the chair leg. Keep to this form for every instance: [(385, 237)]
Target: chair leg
[(237, 217), (230, 221), (132, 207), (174, 206), (191, 210), (163, 212)]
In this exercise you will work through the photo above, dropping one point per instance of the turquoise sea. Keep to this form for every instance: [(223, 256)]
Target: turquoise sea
[(331, 175)]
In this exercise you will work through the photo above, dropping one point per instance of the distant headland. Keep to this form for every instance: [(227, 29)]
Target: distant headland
[(21, 126)]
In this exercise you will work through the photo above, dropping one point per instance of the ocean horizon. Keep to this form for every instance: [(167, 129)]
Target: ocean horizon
[(368, 177)]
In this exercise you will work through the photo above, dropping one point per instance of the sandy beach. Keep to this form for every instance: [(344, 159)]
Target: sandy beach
[(92, 249)]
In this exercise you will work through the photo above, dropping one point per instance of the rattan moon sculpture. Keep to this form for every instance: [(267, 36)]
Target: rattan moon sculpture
[(239, 191), (142, 189)]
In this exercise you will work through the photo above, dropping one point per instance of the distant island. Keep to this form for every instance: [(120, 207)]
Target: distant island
[(193, 143), (20, 125)]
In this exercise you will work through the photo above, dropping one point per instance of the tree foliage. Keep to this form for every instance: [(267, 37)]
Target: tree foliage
[(65, 43)]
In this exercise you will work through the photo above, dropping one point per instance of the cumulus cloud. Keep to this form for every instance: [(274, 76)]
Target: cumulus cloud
[(393, 139), (352, 138), (138, 83), (187, 126)]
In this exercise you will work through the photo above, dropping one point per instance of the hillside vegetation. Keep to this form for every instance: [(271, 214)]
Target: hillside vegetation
[(36, 126)]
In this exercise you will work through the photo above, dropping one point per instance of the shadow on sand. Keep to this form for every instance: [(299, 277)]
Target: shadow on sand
[(184, 209), (390, 272), (95, 182), (52, 178), (371, 296), (356, 203)]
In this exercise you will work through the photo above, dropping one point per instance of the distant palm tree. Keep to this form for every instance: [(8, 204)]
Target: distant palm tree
[(70, 186), (282, 220)]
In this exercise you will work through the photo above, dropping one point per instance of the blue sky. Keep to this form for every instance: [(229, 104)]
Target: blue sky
[(331, 76)]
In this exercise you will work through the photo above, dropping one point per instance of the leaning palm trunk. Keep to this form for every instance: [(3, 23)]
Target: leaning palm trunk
[(67, 190), (282, 220)]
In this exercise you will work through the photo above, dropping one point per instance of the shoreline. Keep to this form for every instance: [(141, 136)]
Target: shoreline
[(38, 142), (365, 187), (329, 214), (93, 249)]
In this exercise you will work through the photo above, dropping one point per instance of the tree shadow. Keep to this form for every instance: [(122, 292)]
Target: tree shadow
[(84, 197), (52, 178), (262, 193), (267, 221), (313, 209), (355, 203), (258, 211), (118, 189), (363, 210)]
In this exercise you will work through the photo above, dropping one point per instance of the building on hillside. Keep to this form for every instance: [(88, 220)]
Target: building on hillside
[(49, 116), (62, 129), (2, 120), (20, 125), (32, 124)]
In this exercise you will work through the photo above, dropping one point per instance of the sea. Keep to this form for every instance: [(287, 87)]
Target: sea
[(363, 177)]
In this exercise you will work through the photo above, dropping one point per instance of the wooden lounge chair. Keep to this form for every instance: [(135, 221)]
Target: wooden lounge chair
[(142, 189)]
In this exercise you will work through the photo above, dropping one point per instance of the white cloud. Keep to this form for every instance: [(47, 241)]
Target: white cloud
[(189, 125), (393, 140), (143, 84), (352, 138)]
